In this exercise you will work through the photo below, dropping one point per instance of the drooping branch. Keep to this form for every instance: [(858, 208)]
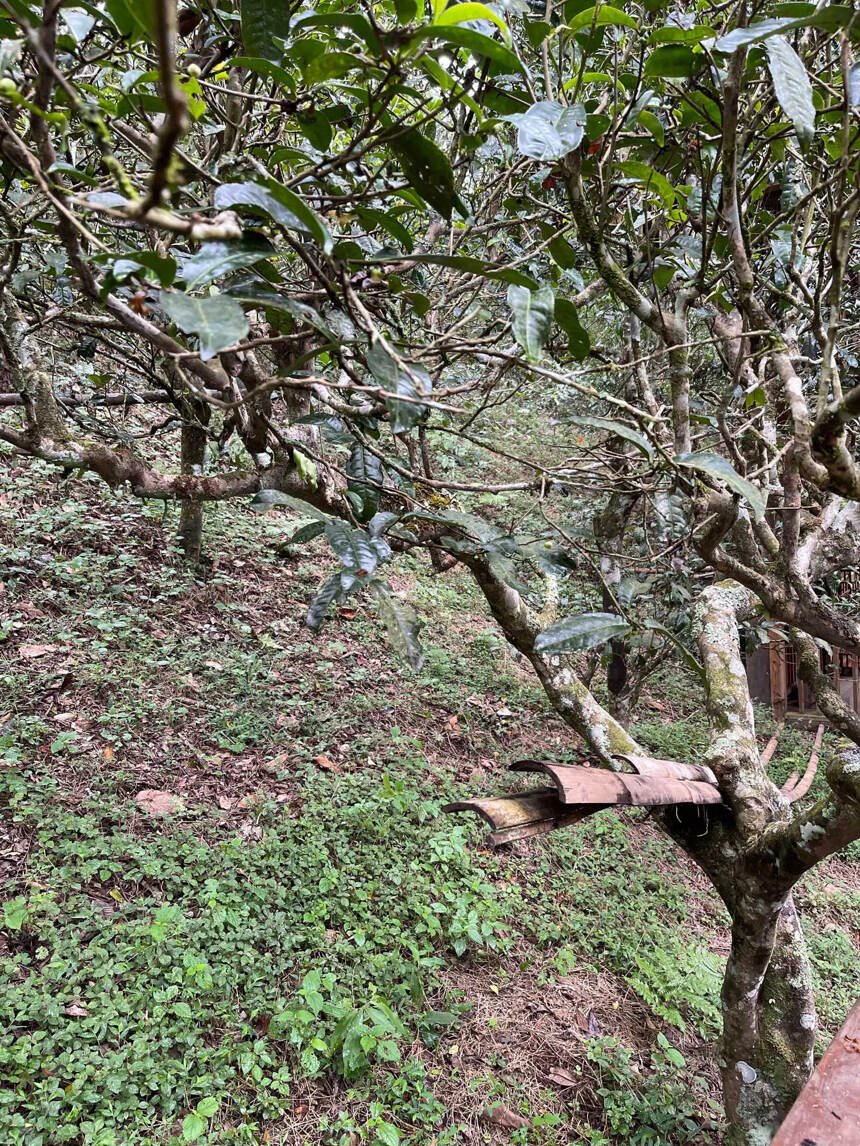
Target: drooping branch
[(570, 698)]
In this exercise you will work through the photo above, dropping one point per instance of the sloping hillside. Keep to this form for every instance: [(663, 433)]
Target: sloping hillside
[(305, 950)]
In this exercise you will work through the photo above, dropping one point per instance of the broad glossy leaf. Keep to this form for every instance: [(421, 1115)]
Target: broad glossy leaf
[(532, 317), (216, 259), (351, 546), (404, 415), (460, 13), (548, 131), (792, 87), (307, 533), (263, 67), (619, 428), (134, 19), (329, 592), (600, 16), (388, 222), (359, 25), (270, 498), (674, 61), (428, 171), (364, 472), (854, 85), (217, 320), (279, 203), (401, 623), (562, 253), (578, 341), (262, 296), (585, 631), (673, 34), (757, 32), (382, 522), (650, 179), (131, 263), (716, 466), (652, 124), (332, 66), (475, 41), (262, 21)]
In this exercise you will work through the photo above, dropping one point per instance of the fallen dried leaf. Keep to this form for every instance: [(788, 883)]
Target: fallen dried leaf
[(347, 613), (502, 1116), (30, 652), (301, 1110), (328, 765), (593, 1025), (561, 1077), (64, 717), (155, 802), (77, 1010), (108, 753), (225, 803)]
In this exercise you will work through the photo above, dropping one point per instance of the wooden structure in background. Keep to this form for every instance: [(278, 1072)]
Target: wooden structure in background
[(827, 1111), (772, 669), (579, 792), (772, 675)]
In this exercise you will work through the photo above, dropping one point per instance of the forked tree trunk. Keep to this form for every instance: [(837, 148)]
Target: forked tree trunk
[(769, 1022), (768, 1007)]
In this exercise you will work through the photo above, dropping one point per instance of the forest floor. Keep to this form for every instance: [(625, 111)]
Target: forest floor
[(306, 950)]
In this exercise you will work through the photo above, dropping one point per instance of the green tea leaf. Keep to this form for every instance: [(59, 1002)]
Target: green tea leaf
[(716, 466), (548, 131), (262, 21), (401, 623), (585, 631), (217, 320), (792, 87), (428, 171), (214, 260), (532, 317), (279, 203)]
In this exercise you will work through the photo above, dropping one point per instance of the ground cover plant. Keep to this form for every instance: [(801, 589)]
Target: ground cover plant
[(315, 954), (561, 302)]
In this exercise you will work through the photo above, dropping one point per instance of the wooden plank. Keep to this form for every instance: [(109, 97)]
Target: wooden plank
[(670, 769), (597, 786), (758, 673), (795, 788), (770, 747), (778, 676), (827, 1111), (517, 817)]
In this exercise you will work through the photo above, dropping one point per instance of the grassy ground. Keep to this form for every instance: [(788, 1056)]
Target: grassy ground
[(308, 950)]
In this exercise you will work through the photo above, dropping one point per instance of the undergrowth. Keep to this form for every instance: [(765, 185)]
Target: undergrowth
[(275, 963)]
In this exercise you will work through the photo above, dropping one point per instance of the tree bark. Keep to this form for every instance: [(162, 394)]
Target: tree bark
[(193, 456), (769, 1020), (768, 1006)]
